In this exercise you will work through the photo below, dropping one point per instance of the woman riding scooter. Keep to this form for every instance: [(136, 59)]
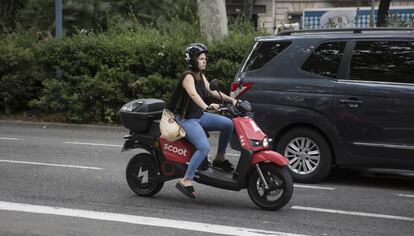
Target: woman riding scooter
[(189, 102)]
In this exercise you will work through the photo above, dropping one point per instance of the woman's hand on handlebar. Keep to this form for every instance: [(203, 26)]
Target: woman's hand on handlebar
[(213, 107), (234, 102)]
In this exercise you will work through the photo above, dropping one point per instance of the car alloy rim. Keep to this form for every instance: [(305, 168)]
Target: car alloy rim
[(303, 155)]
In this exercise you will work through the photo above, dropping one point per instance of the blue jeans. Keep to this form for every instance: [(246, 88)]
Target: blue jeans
[(195, 134)]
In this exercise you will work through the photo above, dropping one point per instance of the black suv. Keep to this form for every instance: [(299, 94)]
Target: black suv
[(333, 97)]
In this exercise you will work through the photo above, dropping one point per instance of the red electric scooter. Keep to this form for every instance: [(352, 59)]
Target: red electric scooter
[(262, 171)]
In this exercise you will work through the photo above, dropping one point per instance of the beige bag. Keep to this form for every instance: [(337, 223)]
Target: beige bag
[(170, 129)]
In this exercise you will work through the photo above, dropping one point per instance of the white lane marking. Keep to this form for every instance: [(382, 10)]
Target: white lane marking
[(353, 213), (313, 187), (140, 220), (405, 195), (94, 144), (49, 164), (12, 139)]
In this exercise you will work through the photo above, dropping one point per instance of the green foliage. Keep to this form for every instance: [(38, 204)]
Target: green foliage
[(38, 15), (89, 76), (93, 15), (9, 10), (19, 79), (154, 86)]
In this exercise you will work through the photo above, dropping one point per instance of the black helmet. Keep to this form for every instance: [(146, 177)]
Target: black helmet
[(191, 53)]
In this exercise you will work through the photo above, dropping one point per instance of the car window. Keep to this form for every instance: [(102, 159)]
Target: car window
[(390, 61), (325, 59), (264, 52)]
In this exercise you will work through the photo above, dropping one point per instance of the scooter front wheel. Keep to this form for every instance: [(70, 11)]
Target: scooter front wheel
[(280, 185), (142, 175)]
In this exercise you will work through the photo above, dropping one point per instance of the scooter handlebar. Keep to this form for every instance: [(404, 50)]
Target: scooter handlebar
[(234, 110), (229, 108), (224, 109), (241, 108)]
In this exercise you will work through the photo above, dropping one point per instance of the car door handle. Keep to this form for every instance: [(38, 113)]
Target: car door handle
[(351, 102)]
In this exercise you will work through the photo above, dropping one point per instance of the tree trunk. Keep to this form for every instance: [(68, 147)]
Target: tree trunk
[(213, 19), (383, 8)]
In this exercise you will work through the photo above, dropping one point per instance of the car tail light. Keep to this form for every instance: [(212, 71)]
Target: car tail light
[(236, 90)]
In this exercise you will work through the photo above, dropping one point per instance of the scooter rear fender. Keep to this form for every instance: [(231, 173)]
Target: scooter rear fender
[(128, 145), (135, 141), (269, 156)]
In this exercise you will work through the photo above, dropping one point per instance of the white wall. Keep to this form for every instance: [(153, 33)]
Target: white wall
[(277, 10)]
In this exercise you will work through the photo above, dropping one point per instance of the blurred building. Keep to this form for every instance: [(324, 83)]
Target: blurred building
[(273, 13)]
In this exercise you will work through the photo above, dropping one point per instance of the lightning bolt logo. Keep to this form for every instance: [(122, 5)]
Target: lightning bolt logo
[(144, 175)]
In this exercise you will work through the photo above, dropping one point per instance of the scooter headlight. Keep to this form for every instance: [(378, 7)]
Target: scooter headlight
[(266, 142), (260, 143), (255, 143)]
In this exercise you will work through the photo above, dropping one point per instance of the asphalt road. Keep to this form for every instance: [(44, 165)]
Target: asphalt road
[(70, 180)]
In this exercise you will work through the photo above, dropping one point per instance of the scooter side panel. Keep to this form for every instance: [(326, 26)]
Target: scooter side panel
[(179, 151), (248, 130), (269, 156)]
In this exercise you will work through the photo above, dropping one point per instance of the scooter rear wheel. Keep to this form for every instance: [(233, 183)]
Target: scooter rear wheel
[(142, 175), (280, 185)]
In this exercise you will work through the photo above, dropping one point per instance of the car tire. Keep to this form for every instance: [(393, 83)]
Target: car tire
[(308, 152)]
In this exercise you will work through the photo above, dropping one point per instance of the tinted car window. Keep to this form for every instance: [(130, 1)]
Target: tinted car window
[(325, 60), (263, 53), (391, 61)]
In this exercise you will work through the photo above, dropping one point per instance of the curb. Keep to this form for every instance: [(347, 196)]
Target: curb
[(109, 128)]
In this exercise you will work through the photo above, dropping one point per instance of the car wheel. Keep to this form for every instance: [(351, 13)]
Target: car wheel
[(308, 152)]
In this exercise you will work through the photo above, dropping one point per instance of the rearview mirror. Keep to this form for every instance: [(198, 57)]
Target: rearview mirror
[(214, 85)]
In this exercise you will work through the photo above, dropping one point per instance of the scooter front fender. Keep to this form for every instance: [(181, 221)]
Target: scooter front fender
[(269, 156)]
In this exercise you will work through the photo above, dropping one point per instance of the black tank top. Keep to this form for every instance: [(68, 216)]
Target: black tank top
[(179, 98), (193, 110)]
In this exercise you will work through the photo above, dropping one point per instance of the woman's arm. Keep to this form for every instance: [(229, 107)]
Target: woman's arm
[(216, 95), (189, 86)]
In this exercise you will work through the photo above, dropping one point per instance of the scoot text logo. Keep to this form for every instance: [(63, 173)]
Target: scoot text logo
[(179, 151)]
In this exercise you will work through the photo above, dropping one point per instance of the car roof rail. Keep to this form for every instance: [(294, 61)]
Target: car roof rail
[(342, 30)]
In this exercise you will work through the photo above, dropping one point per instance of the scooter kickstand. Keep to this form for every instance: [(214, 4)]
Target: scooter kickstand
[(261, 176)]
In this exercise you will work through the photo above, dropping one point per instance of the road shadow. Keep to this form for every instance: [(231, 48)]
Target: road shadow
[(381, 178)]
